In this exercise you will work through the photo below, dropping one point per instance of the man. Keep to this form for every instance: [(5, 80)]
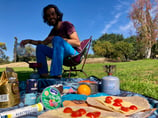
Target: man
[(64, 39)]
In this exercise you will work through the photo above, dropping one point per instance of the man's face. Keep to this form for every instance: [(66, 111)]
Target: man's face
[(52, 17)]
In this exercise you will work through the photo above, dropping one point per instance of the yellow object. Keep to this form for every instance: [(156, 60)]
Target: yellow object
[(84, 89), (9, 116), (40, 107)]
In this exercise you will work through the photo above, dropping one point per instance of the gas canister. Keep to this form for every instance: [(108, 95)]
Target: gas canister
[(110, 84)]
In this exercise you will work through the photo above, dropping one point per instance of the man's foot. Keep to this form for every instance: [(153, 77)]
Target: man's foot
[(57, 77)]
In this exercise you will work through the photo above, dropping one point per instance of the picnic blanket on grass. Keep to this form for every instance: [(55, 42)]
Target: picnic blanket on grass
[(42, 83)]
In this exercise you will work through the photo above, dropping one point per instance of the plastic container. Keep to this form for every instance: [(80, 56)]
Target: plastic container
[(21, 51), (51, 98), (22, 111)]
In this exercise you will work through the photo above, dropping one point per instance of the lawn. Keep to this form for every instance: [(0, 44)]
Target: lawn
[(136, 76)]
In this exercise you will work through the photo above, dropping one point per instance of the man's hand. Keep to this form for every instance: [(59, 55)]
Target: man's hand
[(24, 42)]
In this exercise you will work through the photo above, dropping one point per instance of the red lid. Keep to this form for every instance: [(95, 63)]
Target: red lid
[(86, 81)]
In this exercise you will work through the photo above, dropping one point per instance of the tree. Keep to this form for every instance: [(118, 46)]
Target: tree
[(144, 15), (103, 48), (112, 38), (155, 50), (138, 51), (3, 57), (123, 50)]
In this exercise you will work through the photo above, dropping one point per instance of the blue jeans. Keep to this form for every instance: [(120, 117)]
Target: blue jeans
[(60, 50)]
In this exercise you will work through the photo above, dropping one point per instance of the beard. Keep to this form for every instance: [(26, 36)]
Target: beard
[(52, 22)]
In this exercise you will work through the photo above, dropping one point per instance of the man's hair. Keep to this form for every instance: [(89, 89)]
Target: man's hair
[(59, 14)]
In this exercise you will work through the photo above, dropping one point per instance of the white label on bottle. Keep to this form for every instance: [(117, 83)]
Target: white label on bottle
[(21, 112), (4, 98), (12, 78)]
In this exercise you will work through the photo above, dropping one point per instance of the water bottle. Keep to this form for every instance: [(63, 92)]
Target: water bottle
[(110, 84), (20, 50)]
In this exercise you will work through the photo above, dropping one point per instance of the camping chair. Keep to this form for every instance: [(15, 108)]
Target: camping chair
[(73, 61)]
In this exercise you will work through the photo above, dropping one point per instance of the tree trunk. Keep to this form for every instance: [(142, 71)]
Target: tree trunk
[(148, 53)]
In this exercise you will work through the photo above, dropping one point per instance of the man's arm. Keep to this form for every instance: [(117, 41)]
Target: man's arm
[(74, 40), (30, 41)]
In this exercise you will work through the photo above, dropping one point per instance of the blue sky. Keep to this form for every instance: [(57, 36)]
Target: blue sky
[(23, 19)]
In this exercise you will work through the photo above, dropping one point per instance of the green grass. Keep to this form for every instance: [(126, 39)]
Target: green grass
[(136, 76)]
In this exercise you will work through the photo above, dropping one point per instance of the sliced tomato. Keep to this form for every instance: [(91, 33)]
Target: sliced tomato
[(96, 113), (67, 110), (91, 115), (118, 100), (76, 114), (133, 107), (125, 109), (109, 97), (82, 111), (117, 104), (108, 101)]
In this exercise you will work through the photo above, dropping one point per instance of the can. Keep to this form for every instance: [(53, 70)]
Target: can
[(31, 85), (110, 85)]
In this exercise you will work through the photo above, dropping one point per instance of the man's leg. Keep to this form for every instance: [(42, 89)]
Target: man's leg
[(43, 51), (61, 49)]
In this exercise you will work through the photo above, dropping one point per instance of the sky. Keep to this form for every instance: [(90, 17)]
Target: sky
[(23, 19)]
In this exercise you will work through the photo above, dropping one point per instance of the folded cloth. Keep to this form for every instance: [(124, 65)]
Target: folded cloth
[(80, 97), (73, 97)]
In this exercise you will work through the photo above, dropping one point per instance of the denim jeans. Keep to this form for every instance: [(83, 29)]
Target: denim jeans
[(60, 50)]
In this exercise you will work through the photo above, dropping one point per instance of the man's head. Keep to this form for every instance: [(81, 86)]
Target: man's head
[(51, 15)]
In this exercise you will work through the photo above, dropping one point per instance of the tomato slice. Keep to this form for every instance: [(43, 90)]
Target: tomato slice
[(117, 104), (108, 101), (109, 97), (76, 114), (90, 115), (82, 111), (125, 109), (96, 113), (133, 107), (67, 110), (118, 100)]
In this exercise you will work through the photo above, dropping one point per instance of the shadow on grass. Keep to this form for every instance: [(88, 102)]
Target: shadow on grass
[(24, 75), (66, 75)]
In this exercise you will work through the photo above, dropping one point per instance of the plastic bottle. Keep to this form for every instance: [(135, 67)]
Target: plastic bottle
[(22, 111), (20, 50)]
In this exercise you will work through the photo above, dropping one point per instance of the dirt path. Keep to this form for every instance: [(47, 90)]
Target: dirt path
[(24, 64)]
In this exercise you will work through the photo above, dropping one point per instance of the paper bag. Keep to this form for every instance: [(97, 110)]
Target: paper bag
[(9, 89)]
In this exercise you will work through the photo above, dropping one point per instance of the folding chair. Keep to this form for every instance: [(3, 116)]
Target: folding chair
[(73, 61)]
